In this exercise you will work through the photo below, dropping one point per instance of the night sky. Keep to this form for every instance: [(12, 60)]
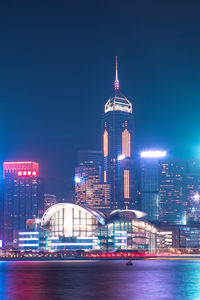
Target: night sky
[(57, 61)]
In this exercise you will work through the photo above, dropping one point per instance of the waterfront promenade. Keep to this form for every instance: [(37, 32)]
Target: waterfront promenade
[(89, 256)]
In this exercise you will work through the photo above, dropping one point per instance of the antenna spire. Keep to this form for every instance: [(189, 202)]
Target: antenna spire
[(116, 83)]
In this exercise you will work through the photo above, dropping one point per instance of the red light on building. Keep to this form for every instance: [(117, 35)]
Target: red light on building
[(26, 173), (25, 168)]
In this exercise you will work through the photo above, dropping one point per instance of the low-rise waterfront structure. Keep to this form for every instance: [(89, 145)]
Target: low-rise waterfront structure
[(72, 227)]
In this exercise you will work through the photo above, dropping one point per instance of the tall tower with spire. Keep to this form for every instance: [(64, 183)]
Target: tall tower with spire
[(118, 144)]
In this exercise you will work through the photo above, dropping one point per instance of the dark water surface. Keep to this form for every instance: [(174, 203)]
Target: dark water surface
[(112, 280)]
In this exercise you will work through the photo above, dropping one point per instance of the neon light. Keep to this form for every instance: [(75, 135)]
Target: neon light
[(153, 154), (34, 232), (105, 176), (126, 143), (87, 238), (28, 245), (77, 179), (26, 173), (28, 239), (20, 162), (72, 244), (126, 184), (53, 238), (121, 157), (105, 143)]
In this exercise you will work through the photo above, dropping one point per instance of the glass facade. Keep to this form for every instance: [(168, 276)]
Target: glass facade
[(150, 199), (128, 235), (179, 182), (69, 220), (23, 197), (89, 190), (172, 200)]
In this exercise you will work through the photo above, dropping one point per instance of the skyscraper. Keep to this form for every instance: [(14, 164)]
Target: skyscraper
[(89, 190), (172, 197), (118, 143), (92, 158), (150, 199), (23, 197)]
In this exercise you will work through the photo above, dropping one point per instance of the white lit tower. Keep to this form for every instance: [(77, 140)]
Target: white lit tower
[(118, 138)]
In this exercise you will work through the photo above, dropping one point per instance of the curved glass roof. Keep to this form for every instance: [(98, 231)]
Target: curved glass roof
[(54, 208), (130, 213)]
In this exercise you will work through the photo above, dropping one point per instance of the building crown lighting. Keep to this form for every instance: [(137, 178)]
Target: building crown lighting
[(118, 102)]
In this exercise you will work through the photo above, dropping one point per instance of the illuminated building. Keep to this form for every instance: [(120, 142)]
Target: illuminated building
[(23, 198), (172, 201), (149, 162), (192, 196), (125, 231), (179, 191), (69, 226), (49, 200), (179, 236), (89, 190), (118, 147)]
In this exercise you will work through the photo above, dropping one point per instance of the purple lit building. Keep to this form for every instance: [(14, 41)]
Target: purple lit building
[(118, 148)]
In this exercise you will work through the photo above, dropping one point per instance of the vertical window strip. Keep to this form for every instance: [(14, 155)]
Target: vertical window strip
[(126, 184), (105, 143)]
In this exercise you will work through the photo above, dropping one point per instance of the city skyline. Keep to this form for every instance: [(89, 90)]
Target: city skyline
[(55, 83), (99, 149)]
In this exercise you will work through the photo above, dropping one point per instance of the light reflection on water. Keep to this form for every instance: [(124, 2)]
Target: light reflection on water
[(97, 280)]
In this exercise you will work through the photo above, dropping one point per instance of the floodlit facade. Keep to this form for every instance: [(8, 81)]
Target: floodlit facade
[(125, 231), (69, 226), (70, 220), (90, 190), (22, 197), (118, 147)]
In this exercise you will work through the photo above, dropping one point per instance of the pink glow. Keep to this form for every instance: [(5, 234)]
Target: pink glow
[(26, 173)]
